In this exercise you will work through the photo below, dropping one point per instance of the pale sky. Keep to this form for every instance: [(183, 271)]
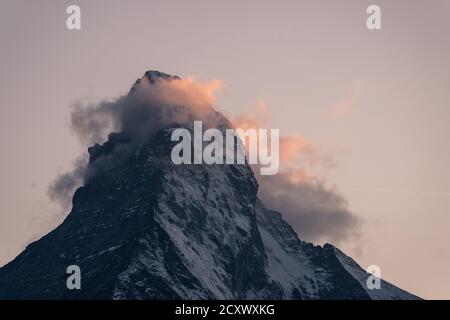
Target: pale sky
[(376, 101)]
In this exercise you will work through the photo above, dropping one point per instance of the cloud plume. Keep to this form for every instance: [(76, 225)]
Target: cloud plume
[(151, 105), (317, 212)]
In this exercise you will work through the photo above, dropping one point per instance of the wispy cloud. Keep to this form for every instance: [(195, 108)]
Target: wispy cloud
[(344, 106), (151, 107), (318, 213)]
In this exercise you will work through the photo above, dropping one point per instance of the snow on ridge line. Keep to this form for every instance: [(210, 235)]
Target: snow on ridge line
[(387, 291)]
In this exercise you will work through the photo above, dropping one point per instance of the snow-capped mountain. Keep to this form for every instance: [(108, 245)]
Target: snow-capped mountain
[(148, 229)]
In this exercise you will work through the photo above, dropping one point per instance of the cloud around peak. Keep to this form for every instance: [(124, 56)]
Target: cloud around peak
[(317, 212)]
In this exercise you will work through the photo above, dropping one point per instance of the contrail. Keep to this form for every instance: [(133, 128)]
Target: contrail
[(429, 193)]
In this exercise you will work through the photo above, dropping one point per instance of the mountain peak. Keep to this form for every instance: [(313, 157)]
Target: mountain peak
[(144, 228), (152, 76)]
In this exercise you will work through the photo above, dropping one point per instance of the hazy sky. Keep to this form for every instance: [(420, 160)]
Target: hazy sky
[(376, 101)]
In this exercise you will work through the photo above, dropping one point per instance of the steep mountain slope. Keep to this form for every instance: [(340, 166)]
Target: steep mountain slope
[(145, 228)]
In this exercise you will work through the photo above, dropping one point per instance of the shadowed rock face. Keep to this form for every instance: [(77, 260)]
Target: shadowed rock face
[(145, 228)]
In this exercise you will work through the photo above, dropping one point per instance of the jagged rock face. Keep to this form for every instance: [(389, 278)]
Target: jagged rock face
[(148, 229), (153, 76)]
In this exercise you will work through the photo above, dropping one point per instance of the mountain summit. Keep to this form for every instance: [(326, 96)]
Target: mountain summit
[(144, 228)]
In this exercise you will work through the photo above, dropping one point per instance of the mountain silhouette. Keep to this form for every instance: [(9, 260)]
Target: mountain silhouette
[(145, 228)]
